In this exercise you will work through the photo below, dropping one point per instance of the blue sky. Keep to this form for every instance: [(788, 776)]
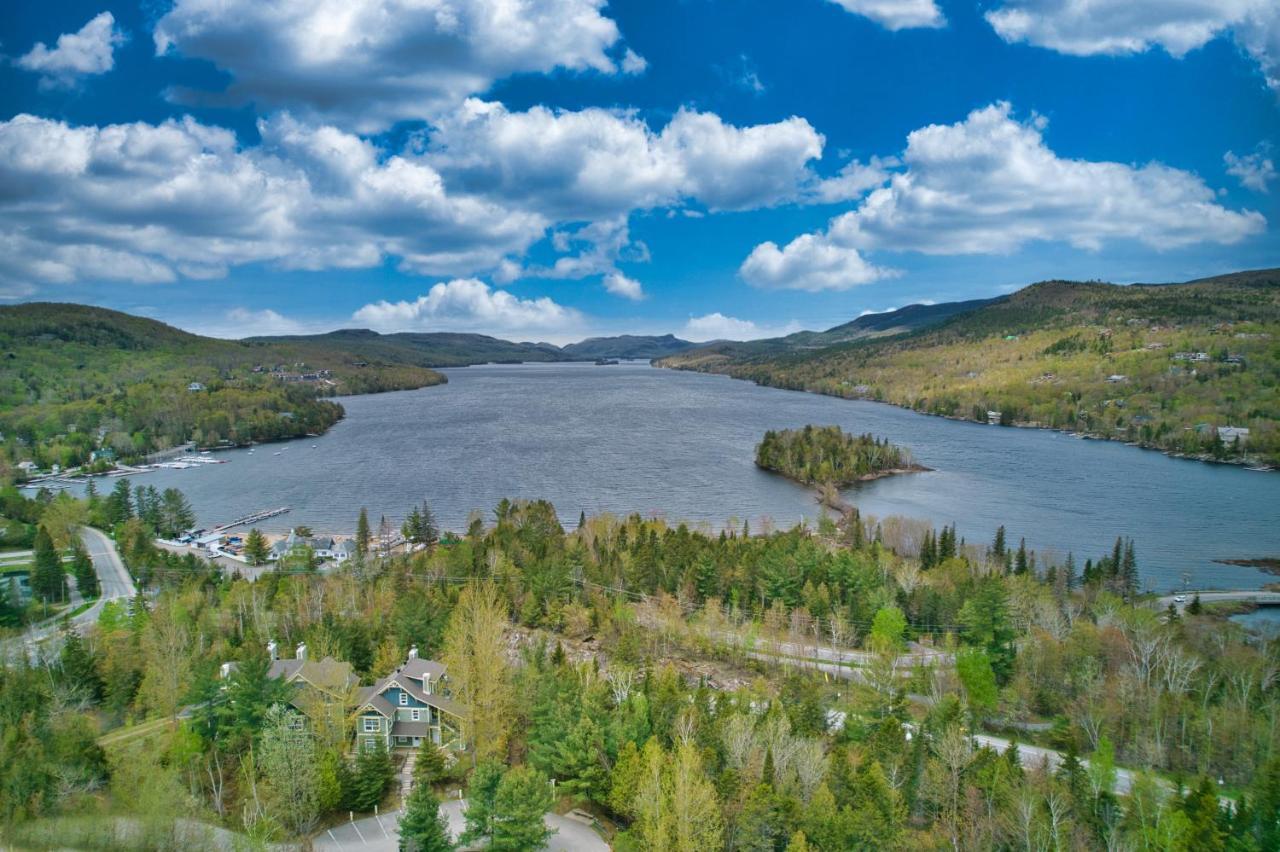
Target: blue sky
[(551, 169)]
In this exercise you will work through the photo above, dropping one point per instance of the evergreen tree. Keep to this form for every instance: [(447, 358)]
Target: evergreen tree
[(521, 800), (1020, 561), (82, 569), (429, 768), (374, 774), (583, 762), (79, 667), (422, 827), (428, 531), (875, 813), (176, 515), (482, 791), (985, 616), (1129, 572), (119, 504), (1195, 607), (624, 781), (48, 582), (363, 535), (761, 824), (255, 547), (1205, 816), (997, 547)]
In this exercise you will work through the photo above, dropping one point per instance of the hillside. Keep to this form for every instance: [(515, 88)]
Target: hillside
[(626, 346), (434, 349), (449, 349), (81, 380), (1161, 365), (899, 321)]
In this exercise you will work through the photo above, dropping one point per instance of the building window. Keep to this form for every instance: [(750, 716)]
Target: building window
[(416, 715), (404, 698), (370, 725)]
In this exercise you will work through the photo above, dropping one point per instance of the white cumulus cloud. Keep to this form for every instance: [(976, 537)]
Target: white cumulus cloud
[(1114, 27), (152, 203), (896, 14), (717, 326), (809, 262), (594, 163), (989, 185), (467, 304), (369, 63), (1254, 171), (85, 53), (620, 285)]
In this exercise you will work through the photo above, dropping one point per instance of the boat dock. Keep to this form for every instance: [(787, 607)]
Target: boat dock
[(250, 519)]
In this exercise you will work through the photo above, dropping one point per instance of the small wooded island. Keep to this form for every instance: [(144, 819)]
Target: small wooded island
[(821, 455)]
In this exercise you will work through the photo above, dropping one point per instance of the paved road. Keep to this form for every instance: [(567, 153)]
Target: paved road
[(115, 583), (381, 834), (1244, 595)]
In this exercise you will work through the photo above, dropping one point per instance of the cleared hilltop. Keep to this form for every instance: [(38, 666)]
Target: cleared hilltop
[(1178, 367)]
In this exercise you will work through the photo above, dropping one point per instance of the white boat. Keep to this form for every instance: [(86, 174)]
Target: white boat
[(275, 454)]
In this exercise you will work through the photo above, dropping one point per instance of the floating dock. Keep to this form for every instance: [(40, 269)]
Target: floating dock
[(250, 519)]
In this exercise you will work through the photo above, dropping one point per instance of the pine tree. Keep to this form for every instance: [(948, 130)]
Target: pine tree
[(429, 768), (482, 791), (363, 535), (1195, 607), (255, 547), (48, 583), (583, 763), (1129, 572), (422, 827), (373, 776), (997, 547), (176, 515), (522, 799), (1204, 815), (428, 531), (1020, 561), (78, 666), (83, 570), (119, 507)]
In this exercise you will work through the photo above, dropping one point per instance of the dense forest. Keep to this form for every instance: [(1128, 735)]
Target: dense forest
[(85, 383), (818, 455), (1164, 366), (664, 677)]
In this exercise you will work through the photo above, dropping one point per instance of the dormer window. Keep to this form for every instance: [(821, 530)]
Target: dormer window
[(404, 698)]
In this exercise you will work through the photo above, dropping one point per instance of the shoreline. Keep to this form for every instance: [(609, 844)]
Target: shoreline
[(1246, 463)]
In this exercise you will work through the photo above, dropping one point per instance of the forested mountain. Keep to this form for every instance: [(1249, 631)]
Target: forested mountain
[(423, 349), (79, 380), (905, 319), (1163, 365), (627, 346), (450, 349)]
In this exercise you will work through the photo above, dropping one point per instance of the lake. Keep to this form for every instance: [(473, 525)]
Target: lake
[(633, 438)]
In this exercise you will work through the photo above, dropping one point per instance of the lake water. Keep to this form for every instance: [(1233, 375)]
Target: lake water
[(632, 438), (1264, 620)]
